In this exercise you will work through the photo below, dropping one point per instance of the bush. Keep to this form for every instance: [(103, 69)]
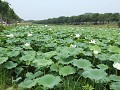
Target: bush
[(119, 24), (2, 28)]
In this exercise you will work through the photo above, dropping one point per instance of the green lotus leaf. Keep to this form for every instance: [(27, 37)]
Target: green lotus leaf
[(18, 70), (69, 50), (95, 47), (62, 55), (17, 48), (3, 51), (54, 67), (30, 75), (9, 41), (115, 86), (48, 55), (3, 59), (95, 74), (66, 70), (82, 63), (114, 49), (38, 73), (10, 65), (13, 53), (102, 56), (88, 53), (73, 51), (49, 81), (102, 66), (33, 53), (115, 58), (43, 62), (27, 84), (27, 47), (64, 59), (27, 57), (68, 40), (114, 78)]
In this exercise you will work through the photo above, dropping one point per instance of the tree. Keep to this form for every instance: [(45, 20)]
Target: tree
[(7, 14), (108, 17), (87, 18), (116, 17), (95, 18)]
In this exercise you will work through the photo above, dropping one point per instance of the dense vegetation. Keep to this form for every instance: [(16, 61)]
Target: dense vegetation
[(2, 28), (118, 24), (87, 18), (60, 58), (7, 14)]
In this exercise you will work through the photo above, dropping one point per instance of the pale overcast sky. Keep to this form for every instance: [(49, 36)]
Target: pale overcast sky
[(44, 9)]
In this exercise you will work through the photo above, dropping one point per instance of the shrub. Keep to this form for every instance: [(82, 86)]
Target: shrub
[(118, 24), (2, 28)]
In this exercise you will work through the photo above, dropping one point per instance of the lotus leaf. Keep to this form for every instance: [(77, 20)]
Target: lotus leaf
[(54, 67), (27, 84), (95, 48), (27, 57), (114, 49), (18, 70), (102, 66), (82, 63), (63, 59), (66, 70), (49, 80), (3, 59), (115, 58), (10, 65), (115, 86), (48, 55), (95, 74), (13, 53), (3, 51), (43, 62), (114, 77)]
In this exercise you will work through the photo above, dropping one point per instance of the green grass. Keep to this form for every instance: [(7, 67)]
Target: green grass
[(5, 78)]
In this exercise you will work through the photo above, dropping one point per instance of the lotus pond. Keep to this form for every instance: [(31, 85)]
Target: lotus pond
[(44, 57)]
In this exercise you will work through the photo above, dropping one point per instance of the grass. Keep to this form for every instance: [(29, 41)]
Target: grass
[(5, 78)]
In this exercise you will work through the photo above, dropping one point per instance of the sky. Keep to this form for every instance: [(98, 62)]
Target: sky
[(44, 9)]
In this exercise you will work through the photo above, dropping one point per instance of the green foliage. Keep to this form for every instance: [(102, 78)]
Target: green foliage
[(95, 74), (55, 59), (114, 78), (10, 65), (49, 81), (115, 86), (84, 19), (5, 78), (66, 70), (7, 13), (27, 84), (88, 87), (118, 24), (2, 28), (114, 49), (115, 57), (3, 59), (82, 63)]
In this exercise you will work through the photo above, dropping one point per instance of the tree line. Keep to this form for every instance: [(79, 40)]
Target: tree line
[(7, 14), (87, 18)]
